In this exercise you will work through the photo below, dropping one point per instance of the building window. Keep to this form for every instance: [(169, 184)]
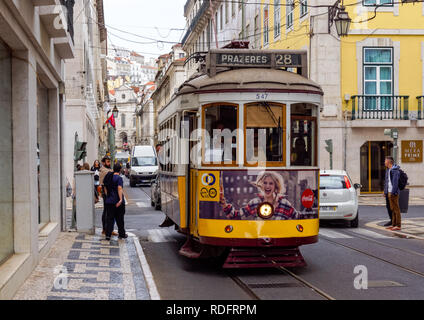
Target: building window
[(371, 3), (122, 120), (6, 155), (378, 78), (266, 28), (303, 7), (257, 32), (221, 17), (277, 18), (226, 12), (289, 13)]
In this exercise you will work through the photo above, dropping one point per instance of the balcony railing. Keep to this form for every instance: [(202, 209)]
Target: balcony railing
[(420, 107), (380, 107), (202, 10)]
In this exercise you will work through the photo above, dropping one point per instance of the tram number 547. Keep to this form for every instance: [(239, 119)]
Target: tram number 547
[(261, 96)]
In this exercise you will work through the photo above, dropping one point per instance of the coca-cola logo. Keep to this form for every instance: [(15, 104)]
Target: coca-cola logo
[(308, 198)]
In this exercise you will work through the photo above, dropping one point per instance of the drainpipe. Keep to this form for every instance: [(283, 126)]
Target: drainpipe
[(243, 20)]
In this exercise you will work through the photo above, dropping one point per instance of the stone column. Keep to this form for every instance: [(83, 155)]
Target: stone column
[(24, 102)]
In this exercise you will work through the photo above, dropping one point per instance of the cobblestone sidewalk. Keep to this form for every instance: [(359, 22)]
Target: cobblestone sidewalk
[(86, 267)]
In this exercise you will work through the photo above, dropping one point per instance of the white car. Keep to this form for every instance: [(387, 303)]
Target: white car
[(338, 197)]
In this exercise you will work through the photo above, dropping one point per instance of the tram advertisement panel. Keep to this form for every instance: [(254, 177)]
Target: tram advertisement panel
[(258, 195)]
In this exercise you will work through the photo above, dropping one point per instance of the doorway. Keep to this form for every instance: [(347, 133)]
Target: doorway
[(373, 170)]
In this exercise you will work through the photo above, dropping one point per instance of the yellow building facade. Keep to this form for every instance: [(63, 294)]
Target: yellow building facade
[(373, 79)]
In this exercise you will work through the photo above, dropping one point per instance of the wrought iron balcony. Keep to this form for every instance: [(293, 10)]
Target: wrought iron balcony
[(380, 107), (202, 10), (420, 107)]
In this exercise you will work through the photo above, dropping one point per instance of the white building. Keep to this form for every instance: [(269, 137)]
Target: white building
[(145, 113), (85, 86), (35, 39), (215, 24), (126, 100), (171, 75)]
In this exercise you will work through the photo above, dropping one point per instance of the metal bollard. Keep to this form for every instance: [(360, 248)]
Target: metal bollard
[(84, 187)]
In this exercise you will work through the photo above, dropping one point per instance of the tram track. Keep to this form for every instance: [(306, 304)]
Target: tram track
[(409, 270), (148, 195), (303, 283), (386, 245)]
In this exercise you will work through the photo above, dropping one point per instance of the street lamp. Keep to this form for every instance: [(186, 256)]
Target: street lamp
[(115, 112), (338, 16), (342, 22)]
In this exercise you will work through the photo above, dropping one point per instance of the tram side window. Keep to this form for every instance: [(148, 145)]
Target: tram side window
[(220, 139), (303, 138), (264, 124)]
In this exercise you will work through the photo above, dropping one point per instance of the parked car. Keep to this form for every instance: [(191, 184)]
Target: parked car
[(338, 197), (144, 165), (155, 195)]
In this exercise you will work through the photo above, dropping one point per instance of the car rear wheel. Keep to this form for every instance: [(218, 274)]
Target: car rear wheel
[(355, 222), (132, 183)]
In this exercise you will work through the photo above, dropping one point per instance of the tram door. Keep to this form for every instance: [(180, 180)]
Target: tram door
[(191, 119), (373, 170)]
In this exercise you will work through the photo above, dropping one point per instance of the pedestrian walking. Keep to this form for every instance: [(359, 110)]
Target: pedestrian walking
[(391, 189), (96, 169), (115, 202), (104, 170)]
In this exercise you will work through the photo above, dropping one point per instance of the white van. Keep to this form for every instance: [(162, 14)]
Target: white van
[(144, 165)]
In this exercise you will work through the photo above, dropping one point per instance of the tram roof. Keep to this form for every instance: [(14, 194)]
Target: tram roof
[(249, 79)]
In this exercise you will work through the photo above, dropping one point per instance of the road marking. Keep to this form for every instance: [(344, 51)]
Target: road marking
[(369, 233), (143, 204), (333, 234), (160, 235)]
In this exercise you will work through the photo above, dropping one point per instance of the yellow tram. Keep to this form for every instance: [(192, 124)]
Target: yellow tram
[(239, 168)]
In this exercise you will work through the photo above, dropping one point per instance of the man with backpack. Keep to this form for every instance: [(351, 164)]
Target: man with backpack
[(395, 180)]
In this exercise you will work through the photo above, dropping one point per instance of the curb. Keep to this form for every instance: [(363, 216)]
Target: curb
[(148, 276), (374, 224)]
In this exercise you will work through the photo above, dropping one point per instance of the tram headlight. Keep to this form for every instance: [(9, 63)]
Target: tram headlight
[(266, 210)]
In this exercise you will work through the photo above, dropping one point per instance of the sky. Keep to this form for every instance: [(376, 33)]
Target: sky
[(153, 19)]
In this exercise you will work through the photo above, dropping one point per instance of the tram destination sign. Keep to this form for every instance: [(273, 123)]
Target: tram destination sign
[(239, 58)]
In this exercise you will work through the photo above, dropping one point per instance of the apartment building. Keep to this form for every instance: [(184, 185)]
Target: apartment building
[(35, 41), (373, 78)]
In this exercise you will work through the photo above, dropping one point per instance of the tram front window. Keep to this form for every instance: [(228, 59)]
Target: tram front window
[(220, 138), (303, 135), (264, 124)]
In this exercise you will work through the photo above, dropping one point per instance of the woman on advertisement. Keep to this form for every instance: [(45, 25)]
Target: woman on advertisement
[(271, 190)]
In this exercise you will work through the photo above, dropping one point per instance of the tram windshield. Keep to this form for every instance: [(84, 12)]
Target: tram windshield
[(264, 123), (220, 140), (303, 138)]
